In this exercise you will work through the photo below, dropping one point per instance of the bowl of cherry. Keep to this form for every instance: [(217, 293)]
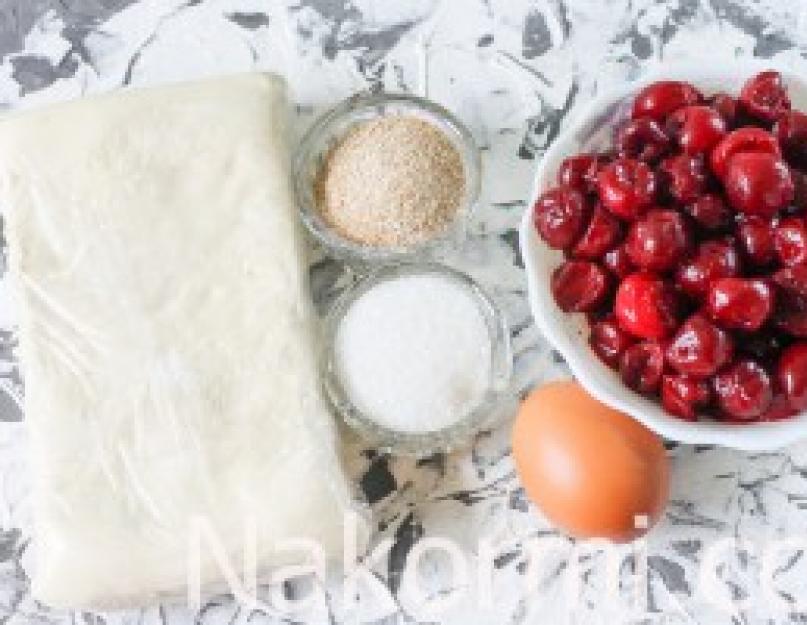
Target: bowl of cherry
[(665, 248)]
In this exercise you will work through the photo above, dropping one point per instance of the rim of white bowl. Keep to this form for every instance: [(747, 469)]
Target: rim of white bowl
[(595, 379)]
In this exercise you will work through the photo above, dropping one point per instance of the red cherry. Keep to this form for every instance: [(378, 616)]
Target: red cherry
[(726, 107), (579, 172), (608, 341), (710, 212), (756, 240), (626, 187), (764, 96), (559, 216), (792, 375), (792, 281), (739, 303), (741, 140), (712, 260), (743, 390), (790, 241), (699, 348), (697, 128), (646, 306), (791, 313), (579, 286), (603, 232), (685, 177), (641, 366), (643, 139), (659, 240), (604, 159), (779, 409), (618, 262), (791, 131), (682, 396), (659, 99), (758, 184)]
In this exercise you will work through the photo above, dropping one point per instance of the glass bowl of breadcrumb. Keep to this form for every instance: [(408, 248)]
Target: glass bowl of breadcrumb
[(384, 177)]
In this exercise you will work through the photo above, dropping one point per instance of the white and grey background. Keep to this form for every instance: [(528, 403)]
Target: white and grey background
[(513, 70)]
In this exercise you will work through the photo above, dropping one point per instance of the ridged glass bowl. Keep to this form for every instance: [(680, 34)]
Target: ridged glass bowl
[(329, 130), (426, 443)]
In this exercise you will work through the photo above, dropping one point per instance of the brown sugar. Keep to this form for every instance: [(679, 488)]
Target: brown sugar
[(394, 181)]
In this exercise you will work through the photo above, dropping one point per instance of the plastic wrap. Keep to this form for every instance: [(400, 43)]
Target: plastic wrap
[(166, 337)]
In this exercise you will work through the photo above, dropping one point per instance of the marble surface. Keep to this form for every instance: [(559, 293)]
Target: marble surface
[(513, 70)]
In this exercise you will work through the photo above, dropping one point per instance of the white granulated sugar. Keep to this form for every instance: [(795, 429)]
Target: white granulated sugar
[(414, 353)]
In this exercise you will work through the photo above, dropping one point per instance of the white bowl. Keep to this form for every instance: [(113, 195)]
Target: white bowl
[(592, 130)]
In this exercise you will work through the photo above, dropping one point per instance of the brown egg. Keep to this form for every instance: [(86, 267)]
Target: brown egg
[(592, 470)]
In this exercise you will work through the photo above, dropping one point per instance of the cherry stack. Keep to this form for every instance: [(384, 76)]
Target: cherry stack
[(686, 247)]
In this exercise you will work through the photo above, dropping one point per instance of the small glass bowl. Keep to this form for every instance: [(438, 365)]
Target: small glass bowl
[(426, 443), (329, 130)]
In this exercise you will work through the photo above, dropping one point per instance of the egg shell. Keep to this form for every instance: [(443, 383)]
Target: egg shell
[(591, 469)]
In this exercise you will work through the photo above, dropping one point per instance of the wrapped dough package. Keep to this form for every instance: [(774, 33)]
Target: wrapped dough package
[(166, 339)]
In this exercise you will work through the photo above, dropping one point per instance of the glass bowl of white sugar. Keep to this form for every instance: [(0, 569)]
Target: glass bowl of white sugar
[(416, 357)]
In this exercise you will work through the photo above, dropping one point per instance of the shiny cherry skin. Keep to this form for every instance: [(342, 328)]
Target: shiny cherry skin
[(790, 241), (609, 341), (659, 240), (748, 139), (626, 187), (699, 348), (756, 238), (684, 176), (603, 232), (618, 262), (646, 306), (579, 172), (726, 107), (791, 375), (657, 100), (740, 303), (559, 216), (791, 312), (579, 285), (712, 260), (710, 212), (764, 96), (643, 139), (758, 184), (641, 366), (682, 395), (697, 129), (790, 130), (744, 390)]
